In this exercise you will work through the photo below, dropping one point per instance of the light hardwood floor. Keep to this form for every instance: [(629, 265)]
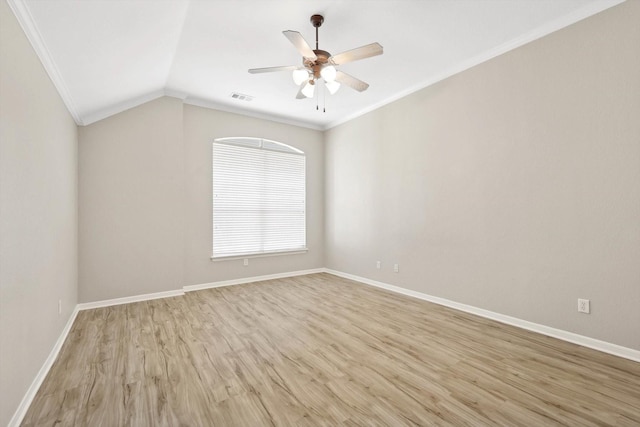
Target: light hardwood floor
[(322, 350)]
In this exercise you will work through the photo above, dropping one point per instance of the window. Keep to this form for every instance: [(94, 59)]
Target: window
[(258, 198)]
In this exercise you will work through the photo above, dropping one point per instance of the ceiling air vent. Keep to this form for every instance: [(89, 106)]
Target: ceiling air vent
[(241, 96)]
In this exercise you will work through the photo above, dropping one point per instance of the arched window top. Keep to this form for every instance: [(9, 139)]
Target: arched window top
[(259, 143)]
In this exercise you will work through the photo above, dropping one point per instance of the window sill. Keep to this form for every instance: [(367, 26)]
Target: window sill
[(259, 255)]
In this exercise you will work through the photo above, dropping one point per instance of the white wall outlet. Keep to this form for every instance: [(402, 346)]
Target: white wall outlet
[(245, 262), (59, 307), (583, 306), (378, 265), (396, 268)]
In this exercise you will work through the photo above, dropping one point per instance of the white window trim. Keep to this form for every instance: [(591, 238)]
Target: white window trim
[(259, 255)]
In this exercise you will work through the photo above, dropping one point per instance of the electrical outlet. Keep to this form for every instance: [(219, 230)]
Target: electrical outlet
[(583, 306), (246, 262), (396, 268), (378, 265)]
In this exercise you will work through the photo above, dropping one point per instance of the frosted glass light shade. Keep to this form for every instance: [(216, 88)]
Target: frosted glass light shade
[(328, 73), (299, 76), (332, 87), (308, 90)]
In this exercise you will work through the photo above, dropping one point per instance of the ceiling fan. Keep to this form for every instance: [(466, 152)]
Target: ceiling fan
[(319, 64)]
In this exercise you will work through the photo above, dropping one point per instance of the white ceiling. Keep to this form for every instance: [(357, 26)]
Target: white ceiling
[(105, 56)]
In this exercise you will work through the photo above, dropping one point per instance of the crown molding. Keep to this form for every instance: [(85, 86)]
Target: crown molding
[(123, 106), (120, 107), (539, 32), (199, 102), (26, 21)]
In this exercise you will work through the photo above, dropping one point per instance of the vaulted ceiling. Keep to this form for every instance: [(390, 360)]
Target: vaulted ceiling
[(106, 56)]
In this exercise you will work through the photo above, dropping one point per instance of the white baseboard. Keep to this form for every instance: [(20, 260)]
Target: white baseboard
[(603, 346), (23, 407), (127, 300), (191, 288), (241, 281)]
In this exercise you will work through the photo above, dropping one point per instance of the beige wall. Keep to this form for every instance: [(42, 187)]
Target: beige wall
[(145, 200), (132, 204), (513, 186), (38, 214)]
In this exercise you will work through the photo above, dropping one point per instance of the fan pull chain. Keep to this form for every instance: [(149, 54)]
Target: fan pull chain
[(324, 99)]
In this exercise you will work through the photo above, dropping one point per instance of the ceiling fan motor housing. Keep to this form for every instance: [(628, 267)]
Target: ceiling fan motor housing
[(322, 58)]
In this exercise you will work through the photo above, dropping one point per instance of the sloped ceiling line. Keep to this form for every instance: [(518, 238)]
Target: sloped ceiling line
[(548, 28), (22, 13), (186, 33)]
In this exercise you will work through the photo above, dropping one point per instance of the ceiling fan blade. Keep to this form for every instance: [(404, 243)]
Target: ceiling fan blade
[(301, 44), (351, 81), (361, 52), (271, 69)]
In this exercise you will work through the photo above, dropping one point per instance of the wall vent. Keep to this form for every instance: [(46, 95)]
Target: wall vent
[(241, 96)]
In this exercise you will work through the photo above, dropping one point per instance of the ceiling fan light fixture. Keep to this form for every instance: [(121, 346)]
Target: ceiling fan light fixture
[(318, 64), (332, 87), (328, 73), (308, 90), (300, 76)]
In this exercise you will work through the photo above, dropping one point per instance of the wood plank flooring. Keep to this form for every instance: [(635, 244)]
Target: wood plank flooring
[(319, 350)]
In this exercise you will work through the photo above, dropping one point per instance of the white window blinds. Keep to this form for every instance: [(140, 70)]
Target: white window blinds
[(258, 197)]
